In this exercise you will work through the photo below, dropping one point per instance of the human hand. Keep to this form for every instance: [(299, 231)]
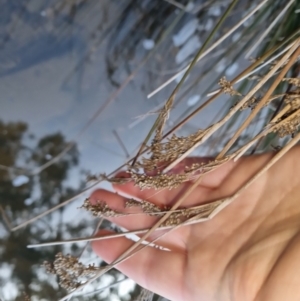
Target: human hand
[(249, 251)]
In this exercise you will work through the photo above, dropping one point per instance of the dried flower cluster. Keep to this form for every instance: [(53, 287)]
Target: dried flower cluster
[(170, 150), (181, 215), (294, 81), (251, 103), (146, 207), (158, 181), (254, 101), (288, 125), (288, 120), (93, 177), (151, 209), (163, 153), (100, 209), (293, 100), (227, 88), (177, 217), (69, 270), (205, 167)]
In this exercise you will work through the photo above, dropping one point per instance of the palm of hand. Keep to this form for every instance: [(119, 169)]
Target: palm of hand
[(246, 252)]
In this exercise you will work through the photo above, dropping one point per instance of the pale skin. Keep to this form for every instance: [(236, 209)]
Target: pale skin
[(250, 251)]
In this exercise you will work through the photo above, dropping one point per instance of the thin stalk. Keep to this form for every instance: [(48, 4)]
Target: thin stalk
[(94, 233), (102, 288), (18, 170), (121, 143), (177, 4)]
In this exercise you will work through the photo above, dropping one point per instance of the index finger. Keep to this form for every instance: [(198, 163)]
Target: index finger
[(165, 196)]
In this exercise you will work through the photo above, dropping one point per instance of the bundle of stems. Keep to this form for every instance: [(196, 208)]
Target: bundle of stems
[(269, 87)]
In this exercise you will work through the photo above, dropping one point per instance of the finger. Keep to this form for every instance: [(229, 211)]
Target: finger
[(154, 269), (162, 196), (174, 240), (157, 196), (209, 181), (135, 219), (129, 188)]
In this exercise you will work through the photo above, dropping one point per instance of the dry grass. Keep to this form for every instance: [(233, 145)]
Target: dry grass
[(167, 149), (69, 270)]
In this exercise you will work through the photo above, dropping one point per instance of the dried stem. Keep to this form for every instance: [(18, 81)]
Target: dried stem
[(121, 143)]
